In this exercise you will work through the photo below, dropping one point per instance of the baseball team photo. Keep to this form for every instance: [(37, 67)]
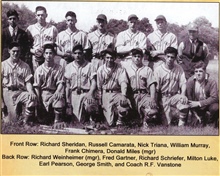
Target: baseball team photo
[(110, 68)]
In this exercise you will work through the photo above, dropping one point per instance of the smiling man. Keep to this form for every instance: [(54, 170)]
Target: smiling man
[(202, 92)]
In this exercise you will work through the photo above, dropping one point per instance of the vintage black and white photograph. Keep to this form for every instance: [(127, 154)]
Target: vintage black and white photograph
[(110, 68)]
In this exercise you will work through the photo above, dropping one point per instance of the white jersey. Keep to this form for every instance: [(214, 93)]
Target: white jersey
[(100, 41), (169, 81), (126, 41), (42, 35), (66, 40), (162, 41)]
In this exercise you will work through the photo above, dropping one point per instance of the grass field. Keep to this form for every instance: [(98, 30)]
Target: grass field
[(15, 128)]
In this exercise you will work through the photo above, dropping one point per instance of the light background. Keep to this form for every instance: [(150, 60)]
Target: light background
[(180, 13)]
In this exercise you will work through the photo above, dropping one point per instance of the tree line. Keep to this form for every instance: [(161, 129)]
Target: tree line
[(207, 33)]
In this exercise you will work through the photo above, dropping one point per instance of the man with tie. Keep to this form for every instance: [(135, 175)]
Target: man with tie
[(192, 50), (13, 33)]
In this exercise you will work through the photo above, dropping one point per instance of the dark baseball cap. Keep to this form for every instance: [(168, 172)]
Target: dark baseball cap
[(12, 12), (160, 17), (77, 47), (101, 17), (132, 16), (137, 51)]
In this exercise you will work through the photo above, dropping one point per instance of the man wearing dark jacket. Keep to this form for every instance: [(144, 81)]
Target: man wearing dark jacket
[(202, 93), (14, 34), (192, 50)]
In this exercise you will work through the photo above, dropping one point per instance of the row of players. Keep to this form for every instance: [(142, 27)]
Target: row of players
[(118, 88), (190, 50)]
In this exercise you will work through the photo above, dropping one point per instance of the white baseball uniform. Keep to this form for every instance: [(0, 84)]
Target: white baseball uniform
[(41, 35), (109, 82), (126, 40), (160, 42), (140, 80), (14, 79), (99, 43), (169, 83), (47, 80), (79, 78), (66, 40)]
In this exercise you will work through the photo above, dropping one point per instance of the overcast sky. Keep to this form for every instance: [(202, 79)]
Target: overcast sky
[(180, 13)]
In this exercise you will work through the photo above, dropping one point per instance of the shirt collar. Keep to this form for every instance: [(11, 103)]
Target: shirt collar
[(11, 29)]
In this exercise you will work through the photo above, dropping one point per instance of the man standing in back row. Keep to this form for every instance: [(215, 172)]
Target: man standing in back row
[(40, 34), (130, 39), (69, 38), (100, 39), (192, 50), (158, 41)]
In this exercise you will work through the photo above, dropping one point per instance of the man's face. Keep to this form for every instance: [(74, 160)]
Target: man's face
[(161, 24), (48, 54), (132, 24), (109, 60), (77, 55), (41, 16), (170, 59), (193, 34), (14, 52), (101, 24), (12, 21), (70, 21), (200, 74), (137, 59)]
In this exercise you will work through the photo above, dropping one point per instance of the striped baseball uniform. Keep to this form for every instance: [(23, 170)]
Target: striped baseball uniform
[(14, 79), (126, 41), (160, 42), (41, 35), (47, 80), (168, 86), (140, 80), (66, 40), (79, 78), (109, 82), (99, 43)]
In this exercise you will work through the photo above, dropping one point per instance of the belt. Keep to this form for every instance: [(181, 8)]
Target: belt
[(12, 88), (168, 94), (144, 91), (111, 91), (79, 91)]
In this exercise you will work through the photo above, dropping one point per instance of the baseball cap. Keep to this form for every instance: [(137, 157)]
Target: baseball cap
[(102, 17), (12, 12), (137, 51), (160, 17), (132, 16), (77, 47), (192, 27)]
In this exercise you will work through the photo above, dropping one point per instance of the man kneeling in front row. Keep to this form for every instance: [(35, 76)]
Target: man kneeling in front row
[(202, 93)]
